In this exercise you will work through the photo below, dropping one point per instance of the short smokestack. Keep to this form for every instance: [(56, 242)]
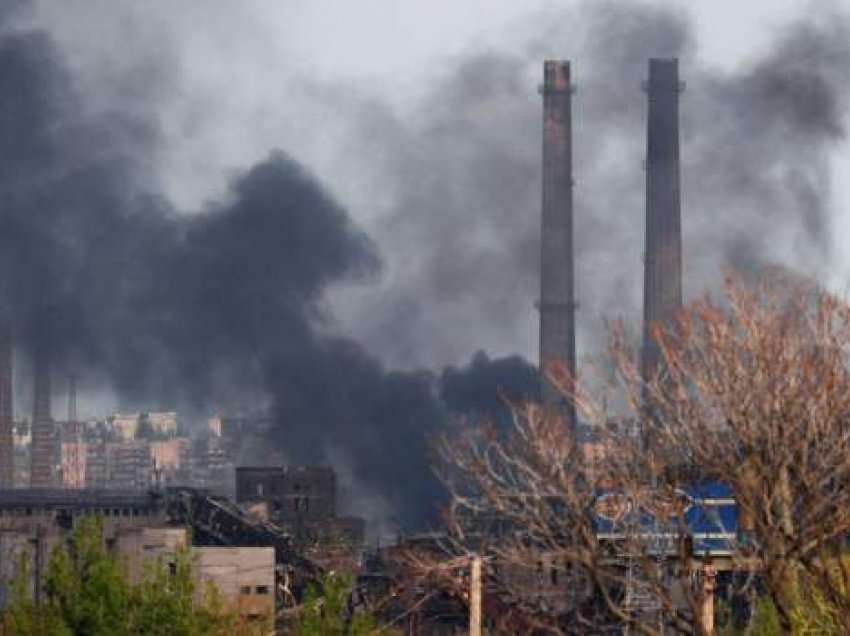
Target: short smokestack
[(557, 303), (7, 448), (41, 448), (662, 292)]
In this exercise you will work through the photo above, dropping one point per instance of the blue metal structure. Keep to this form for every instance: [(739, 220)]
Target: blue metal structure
[(710, 519)]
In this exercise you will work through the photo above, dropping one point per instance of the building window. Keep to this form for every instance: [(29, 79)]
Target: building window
[(262, 589), (245, 590), (301, 504)]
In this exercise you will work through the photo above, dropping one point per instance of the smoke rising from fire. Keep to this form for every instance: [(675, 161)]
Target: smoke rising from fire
[(218, 309), (462, 171), (430, 258)]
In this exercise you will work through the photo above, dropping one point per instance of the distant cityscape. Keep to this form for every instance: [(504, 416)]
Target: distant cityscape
[(256, 532), (136, 451)]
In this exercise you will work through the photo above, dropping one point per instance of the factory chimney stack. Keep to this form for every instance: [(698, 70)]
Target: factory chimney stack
[(663, 256), (7, 447), (41, 448), (557, 304)]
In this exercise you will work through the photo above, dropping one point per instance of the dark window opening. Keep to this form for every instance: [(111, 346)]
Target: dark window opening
[(301, 504)]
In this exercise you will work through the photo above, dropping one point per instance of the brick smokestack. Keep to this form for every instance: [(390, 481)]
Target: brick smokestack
[(557, 304), (662, 291), (41, 449), (7, 449)]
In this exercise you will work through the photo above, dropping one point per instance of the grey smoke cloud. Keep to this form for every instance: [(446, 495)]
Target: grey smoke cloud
[(430, 207), (461, 169), (196, 310)]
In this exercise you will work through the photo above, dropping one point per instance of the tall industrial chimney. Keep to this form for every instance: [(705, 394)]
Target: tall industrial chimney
[(662, 290), (557, 305), (7, 448), (72, 399), (41, 448)]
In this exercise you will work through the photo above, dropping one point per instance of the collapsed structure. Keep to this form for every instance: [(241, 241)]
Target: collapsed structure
[(302, 501), (254, 563)]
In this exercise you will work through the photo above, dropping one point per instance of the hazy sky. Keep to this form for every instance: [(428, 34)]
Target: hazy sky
[(235, 62), (230, 81)]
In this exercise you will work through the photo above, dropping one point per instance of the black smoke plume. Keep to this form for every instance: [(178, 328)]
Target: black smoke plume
[(224, 308), (485, 388), (203, 311)]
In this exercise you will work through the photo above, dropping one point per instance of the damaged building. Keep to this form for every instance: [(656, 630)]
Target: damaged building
[(302, 500), (253, 563)]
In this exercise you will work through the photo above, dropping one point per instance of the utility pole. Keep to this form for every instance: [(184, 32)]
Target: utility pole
[(475, 596), (709, 577)]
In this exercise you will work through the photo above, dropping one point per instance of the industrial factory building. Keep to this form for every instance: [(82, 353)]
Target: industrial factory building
[(34, 521), (137, 471), (302, 500), (245, 577), (246, 560)]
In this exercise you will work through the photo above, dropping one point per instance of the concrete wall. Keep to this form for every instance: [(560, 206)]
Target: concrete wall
[(244, 576), (34, 547), (138, 546)]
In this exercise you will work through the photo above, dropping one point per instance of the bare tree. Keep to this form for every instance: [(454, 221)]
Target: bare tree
[(753, 395), (570, 545)]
